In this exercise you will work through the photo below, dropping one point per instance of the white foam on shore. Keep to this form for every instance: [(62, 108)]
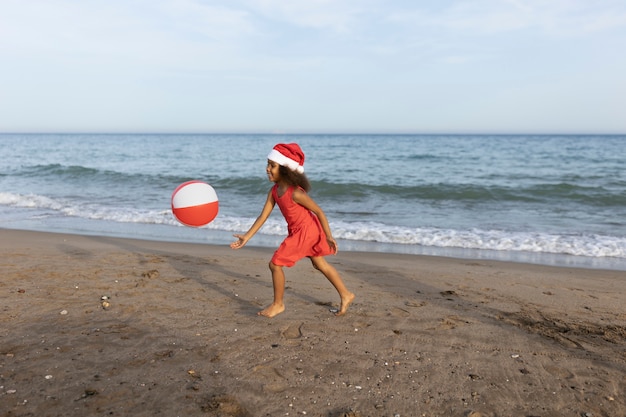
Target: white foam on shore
[(46, 210)]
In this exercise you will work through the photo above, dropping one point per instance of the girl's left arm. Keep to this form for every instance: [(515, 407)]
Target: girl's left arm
[(304, 200), (265, 213)]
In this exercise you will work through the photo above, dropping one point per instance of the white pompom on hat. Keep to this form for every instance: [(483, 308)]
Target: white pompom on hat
[(288, 155)]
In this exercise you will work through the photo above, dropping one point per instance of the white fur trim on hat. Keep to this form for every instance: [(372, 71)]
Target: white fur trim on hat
[(281, 159)]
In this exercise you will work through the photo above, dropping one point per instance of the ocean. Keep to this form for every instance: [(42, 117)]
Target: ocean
[(547, 199)]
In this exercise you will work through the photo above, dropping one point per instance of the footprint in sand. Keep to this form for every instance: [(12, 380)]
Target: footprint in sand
[(273, 380), (558, 372), (293, 332), (398, 312), (451, 322), (153, 273), (415, 303)]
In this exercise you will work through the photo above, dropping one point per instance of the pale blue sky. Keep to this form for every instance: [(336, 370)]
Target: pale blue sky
[(308, 66)]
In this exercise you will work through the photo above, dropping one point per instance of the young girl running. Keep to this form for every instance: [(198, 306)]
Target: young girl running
[(309, 232)]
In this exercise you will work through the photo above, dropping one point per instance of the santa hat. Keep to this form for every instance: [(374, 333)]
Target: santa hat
[(288, 155)]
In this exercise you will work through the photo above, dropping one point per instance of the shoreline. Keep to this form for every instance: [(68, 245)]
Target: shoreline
[(425, 336), (204, 236)]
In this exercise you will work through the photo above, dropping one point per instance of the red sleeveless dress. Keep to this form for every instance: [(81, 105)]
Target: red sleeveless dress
[(306, 236)]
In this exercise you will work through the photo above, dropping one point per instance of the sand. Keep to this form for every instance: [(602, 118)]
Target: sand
[(426, 336)]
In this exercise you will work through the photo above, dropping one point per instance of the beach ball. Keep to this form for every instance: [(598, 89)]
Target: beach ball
[(194, 203)]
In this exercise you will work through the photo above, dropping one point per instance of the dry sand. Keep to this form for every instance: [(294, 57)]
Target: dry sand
[(426, 336)]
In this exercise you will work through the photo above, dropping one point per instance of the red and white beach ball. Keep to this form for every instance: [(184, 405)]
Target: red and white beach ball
[(194, 203)]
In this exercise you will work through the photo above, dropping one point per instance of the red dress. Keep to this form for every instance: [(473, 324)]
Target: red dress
[(306, 236)]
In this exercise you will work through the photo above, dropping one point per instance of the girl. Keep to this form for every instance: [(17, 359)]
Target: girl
[(309, 232)]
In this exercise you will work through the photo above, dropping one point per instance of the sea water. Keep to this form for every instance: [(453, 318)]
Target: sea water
[(555, 199)]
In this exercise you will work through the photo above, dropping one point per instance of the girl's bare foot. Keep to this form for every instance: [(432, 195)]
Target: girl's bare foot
[(345, 303), (272, 310)]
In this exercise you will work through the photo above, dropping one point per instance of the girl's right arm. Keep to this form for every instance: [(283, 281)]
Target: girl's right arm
[(265, 213)]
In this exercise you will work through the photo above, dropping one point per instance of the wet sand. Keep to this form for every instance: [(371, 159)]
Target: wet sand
[(98, 326)]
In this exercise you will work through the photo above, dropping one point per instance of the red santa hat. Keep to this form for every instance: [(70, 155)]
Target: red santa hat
[(288, 155)]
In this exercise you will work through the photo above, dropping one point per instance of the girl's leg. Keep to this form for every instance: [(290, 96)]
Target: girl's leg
[(278, 281), (332, 275)]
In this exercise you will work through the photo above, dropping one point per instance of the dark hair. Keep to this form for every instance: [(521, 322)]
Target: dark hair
[(294, 178)]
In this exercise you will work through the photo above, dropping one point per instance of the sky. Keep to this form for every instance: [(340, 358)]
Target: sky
[(313, 66)]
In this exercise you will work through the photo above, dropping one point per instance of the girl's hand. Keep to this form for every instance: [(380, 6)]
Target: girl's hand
[(239, 243), (333, 244)]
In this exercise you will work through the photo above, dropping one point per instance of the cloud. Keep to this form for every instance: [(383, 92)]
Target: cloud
[(336, 16), (489, 17), (316, 60), (211, 22), (134, 35)]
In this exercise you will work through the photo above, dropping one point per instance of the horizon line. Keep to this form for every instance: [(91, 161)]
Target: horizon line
[(280, 133)]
